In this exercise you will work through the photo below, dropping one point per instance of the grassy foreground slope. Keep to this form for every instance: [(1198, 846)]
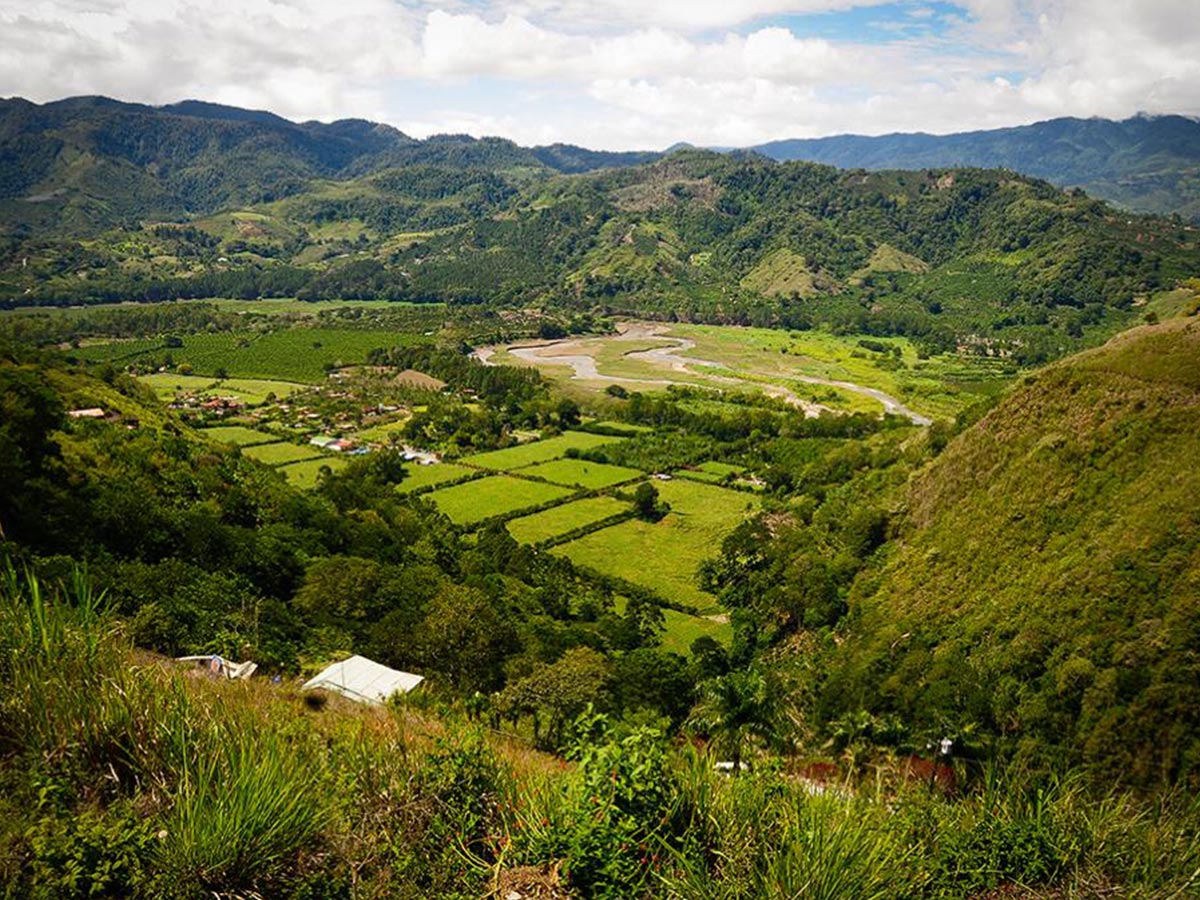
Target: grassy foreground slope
[(1049, 586)]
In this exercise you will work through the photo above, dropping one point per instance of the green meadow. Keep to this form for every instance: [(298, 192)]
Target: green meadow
[(238, 434), (581, 473), (304, 474), (496, 495), (550, 523), (664, 556), (281, 452), (538, 451), (418, 477)]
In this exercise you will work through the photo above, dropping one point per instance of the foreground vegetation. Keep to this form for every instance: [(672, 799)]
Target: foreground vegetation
[(123, 777)]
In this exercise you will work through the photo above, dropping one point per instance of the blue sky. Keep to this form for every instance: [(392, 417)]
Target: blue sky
[(621, 74)]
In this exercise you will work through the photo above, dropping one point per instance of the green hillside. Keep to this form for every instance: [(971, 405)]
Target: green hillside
[(1045, 584)]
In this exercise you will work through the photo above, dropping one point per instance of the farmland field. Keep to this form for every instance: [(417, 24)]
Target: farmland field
[(167, 384), (580, 473), (558, 520), (304, 474), (281, 452), (712, 472), (664, 556), (256, 390), (496, 495), (238, 434), (538, 451), (626, 427), (295, 354), (382, 434), (680, 630), (418, 477)]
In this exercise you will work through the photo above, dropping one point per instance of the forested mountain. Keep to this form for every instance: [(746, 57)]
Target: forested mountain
[(1145, 163), (88, 162), (111, 202)]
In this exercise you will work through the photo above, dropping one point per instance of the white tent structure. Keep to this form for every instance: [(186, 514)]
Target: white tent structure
[(363, 680)]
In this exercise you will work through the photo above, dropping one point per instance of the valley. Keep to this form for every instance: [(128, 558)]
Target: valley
[(739, 528)]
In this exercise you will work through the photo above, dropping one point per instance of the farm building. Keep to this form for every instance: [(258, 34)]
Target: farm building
[(363, 680)]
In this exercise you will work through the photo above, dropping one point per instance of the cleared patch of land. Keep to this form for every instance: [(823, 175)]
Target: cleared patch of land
[(238, 434), (625, 427), (304, 474), (281, 452), (420, 477), (169, 384), (496, 495), (255, 390), (581, 473), (681, 630), (550, 523), (664, 556), (538, 451)]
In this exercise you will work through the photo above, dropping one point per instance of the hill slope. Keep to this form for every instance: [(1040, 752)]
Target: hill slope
[(1047, 586), (1146, 163)]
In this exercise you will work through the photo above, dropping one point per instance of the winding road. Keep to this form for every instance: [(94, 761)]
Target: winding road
[(673, 359)]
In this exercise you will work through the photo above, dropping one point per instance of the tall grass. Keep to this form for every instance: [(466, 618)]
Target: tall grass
[(245, 805)]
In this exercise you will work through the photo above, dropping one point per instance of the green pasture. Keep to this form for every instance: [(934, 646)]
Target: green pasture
[(418, 477), (169, 384), (580, 473), (625, 427), (304, 474), (238, 434), (538, 451), (664, 556), (282, 452), (550, 523), (496, 495), (680, 630)]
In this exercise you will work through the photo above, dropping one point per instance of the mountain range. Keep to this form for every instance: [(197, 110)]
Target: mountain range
[(106, 160), (1145, 163)]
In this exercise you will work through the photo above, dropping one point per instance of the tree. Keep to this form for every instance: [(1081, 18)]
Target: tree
[(465, 639), (738, 708), (560, 691), (645, 501)]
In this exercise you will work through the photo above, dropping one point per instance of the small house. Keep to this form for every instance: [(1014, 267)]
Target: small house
[(363, 680)]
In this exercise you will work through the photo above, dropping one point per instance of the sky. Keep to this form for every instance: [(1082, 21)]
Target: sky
[(620, 74)]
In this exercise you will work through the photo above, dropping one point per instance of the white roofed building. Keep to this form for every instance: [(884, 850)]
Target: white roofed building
[(363, 680)]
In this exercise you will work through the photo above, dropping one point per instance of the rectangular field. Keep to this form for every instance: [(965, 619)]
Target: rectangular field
[(550, 523), (255, 391), (580, 473), (419, 477), (712, 472), (281, 452), (238, 434), (496, 495), (664, 556), (169, 384), (538, 451), (304, 474)]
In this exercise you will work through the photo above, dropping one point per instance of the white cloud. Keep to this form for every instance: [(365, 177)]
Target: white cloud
[(616, 73)]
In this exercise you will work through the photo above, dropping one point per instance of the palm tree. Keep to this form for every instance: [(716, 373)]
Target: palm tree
[(737, 708)]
